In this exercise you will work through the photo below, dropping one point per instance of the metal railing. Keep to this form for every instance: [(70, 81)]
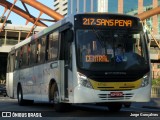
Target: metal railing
[(155, 92), (152, 36)]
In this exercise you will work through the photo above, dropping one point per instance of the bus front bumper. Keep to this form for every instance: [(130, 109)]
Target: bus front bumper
[(87, 95)]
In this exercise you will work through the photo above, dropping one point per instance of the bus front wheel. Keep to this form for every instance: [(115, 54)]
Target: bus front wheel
[(58, 106)]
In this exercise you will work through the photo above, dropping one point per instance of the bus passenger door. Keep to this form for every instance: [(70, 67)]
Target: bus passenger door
[(67, 57)]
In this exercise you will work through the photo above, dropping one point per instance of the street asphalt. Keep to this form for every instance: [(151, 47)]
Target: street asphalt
[(153, 104)]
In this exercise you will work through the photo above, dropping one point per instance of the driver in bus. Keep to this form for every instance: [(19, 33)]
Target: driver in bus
[(119, 50), (120, 53)]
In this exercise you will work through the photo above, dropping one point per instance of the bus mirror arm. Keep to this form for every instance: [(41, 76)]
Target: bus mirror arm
[(69, 36), (66, 66)]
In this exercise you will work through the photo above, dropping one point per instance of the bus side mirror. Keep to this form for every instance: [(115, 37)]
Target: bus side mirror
[(69, 35)]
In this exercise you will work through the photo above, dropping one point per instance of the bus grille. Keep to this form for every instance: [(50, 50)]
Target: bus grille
[(126, 96)]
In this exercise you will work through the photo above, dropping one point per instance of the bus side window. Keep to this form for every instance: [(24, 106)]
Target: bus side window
[(41, 49), (20, 57), (33, 53), (38, 50), (53, 45), (24, 56), (28, 53), (16, 59)]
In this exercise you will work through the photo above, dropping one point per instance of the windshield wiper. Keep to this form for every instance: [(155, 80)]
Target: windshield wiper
[(99, 38)]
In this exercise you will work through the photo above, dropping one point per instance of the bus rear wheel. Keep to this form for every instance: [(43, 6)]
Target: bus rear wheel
[(58, 106), (21, 101), (114, 107)]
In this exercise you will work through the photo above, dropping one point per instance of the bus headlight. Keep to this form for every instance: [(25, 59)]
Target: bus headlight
[(145, 80), (83, 80)]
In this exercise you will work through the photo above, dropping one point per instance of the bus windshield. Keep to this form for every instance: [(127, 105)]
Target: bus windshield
[(111, 50)]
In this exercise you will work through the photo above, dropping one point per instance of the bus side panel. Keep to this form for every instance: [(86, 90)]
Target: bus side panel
[(45, 82), (27, 82), (9, 84), (15, 82), (52, 71), (38, 82)]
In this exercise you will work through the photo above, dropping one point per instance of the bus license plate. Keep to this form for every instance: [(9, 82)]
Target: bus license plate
[(116, 94)]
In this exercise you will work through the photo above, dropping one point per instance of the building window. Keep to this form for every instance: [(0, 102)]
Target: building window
[(69, 7), (130, 7), (74, 6), (112, 3), (57, 9), (24, 56), (95, 7), (88, 6), (12, 38), (147, 3), (2, 38), (81, 6), (65, 9)]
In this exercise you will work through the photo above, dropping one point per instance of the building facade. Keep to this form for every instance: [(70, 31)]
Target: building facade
[(61, 6), (132, 7), (11, 35), (102, 6)]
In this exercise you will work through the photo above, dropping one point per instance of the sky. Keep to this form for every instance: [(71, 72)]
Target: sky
[(18, 20)]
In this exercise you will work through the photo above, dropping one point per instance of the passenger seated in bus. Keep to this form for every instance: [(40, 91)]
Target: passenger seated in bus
[(83, 52), (21, 55), (28, 53), (38, 52)]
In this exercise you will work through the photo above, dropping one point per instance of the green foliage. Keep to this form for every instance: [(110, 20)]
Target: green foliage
[(8, 21), (156, 82)]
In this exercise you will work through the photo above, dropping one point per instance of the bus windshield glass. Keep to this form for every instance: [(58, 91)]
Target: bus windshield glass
[(111, 50)]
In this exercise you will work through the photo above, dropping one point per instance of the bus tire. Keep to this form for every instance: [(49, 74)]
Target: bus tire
[(58, 106), (114, 107), (21, 101), (127, 104)]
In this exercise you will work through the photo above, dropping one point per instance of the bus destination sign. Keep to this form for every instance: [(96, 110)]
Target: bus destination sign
[(107, 22)]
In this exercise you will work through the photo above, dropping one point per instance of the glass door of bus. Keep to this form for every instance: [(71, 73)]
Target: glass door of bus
[(67, 57)]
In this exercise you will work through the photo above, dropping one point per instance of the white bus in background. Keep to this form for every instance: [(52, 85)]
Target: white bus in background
[(84, 58)]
